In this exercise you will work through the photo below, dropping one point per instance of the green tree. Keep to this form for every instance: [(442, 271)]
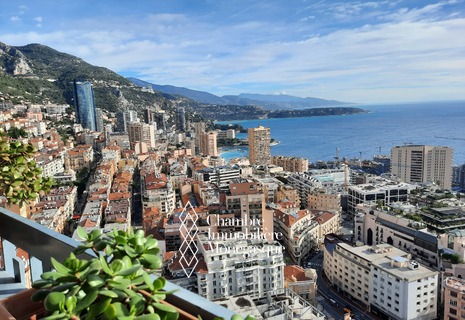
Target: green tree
[(20, 177), (16, 133)]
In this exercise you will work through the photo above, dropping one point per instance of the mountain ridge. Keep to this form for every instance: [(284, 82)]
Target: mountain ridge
[(267, 101)]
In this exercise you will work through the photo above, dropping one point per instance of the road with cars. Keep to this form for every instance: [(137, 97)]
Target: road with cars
[(331, 302)]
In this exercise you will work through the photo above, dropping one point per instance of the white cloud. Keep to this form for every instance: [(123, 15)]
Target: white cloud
[(15, 18), (38, 19), (413, 54)]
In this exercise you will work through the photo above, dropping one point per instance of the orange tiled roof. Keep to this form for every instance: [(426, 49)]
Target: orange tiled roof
[(296, 271)]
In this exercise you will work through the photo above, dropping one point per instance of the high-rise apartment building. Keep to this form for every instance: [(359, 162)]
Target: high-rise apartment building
[(149, 116), (423, 164), (259, 146), (85, 105), (208, 145), (142, 132), (180, 119)]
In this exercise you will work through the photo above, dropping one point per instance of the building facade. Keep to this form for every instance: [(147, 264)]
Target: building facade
[(232, 268), (423, 164), (208, 145), (454, 298), (259, 146), (291, 164), (142, 132), (382, 278), (85, 105)]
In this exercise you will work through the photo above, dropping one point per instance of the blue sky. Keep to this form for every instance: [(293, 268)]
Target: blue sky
[(358, 51)]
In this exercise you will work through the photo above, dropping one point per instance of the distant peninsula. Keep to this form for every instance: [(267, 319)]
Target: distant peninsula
[(237, 112)]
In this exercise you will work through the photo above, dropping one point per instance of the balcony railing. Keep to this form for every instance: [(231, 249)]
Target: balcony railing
[(26, 251)]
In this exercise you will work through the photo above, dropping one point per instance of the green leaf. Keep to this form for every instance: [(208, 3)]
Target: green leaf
[(130, 251), (152, 316), (151, 261), (95, 281), (82, 233), (54, 300), (59, 267), (40, 295), (108, 293), (52, 275), (98, 308), (71, 303), (105, 266), (87, 300), (165, 308), (129, 271), (148, 281), (159, 283), (41, 283), (119, 284), (64, 287), (137, 305)]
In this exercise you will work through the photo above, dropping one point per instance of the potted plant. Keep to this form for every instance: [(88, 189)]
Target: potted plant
[(115, 284)]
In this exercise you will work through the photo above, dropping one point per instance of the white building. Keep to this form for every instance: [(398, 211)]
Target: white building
[(374, 227), (52, 167), (236, 267), (383, 278), (377, 190), (403, 289)]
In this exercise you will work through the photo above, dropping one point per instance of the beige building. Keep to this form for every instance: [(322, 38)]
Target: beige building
[(289, 193), (423, 164), (208, 144), (454, 298), (291, 164), (141, 132), (384, 279), (79, 157), (297, 229), (320, 200), (259, 146), (301, 281), (246, 201)]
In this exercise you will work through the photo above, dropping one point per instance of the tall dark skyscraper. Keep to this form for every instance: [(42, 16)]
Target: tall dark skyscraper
[(85, 105), (180, 119)]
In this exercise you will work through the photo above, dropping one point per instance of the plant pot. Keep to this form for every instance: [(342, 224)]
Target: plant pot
[(20, 307), (183, 315)]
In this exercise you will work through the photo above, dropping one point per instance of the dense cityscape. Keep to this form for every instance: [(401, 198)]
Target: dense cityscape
[(232, 160), (263, 236)]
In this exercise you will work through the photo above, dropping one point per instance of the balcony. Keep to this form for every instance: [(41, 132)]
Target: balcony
[(19, 268)]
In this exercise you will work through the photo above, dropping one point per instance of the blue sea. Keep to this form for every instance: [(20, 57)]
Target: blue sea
[(363, 135)]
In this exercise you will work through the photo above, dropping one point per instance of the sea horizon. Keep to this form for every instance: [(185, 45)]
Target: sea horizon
[(363, 135)]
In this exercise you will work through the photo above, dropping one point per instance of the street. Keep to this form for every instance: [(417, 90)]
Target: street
[(331, 301)]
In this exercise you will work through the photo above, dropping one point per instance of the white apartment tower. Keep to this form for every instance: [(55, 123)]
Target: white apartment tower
[(423, 164)]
